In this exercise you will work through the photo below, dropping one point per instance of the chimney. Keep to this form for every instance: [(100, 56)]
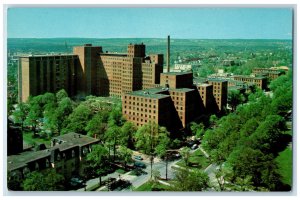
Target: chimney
[(168, 55)]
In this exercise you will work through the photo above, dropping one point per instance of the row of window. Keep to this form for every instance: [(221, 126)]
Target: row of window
[(139, 109), (138, 104)]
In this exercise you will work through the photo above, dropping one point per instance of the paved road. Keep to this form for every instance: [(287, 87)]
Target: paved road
[(137, 180), (159, 165)]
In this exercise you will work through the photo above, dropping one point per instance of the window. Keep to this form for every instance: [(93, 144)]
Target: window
[(47, 163), (58, 157), (37, 167)]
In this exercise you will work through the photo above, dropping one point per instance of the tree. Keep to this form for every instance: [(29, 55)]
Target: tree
[(33, 117), (98, 160), (163, 142), (50, 180), (116, 116), (97, 125), (125, 155), (20, 114), (190, 180), (223, 175), (213, 120), (61, 94), (234, 99), (54, 119), (197, 129), (128, 130), (185, 154), (151, 138), (243, 184), (246, 161), (266, 136), (112, 137), (78, 119)]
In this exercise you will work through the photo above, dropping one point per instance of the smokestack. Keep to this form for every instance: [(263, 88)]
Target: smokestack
[(168, 55)]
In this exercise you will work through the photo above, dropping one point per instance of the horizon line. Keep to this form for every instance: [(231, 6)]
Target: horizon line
[(150, 38)]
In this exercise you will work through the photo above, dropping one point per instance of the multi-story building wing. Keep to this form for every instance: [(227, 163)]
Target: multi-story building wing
[(260, 82), (270, 73), (87, 68), (47, 73), (219, 92), (176, 103)]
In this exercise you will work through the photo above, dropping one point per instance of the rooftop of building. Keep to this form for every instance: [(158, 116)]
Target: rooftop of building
[(21, 160), (113, 54), (181, 89), (236, 87), (217, 79), (199, 80), (247, 76), (204, 84), (151, 93), (45, 55), (177, 73), (75, 139), (68, 141)]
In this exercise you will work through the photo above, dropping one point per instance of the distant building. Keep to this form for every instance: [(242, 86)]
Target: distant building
[(89, 71), (260, 82), (228, 62), (271, 73), (184, 67), (66, 156)]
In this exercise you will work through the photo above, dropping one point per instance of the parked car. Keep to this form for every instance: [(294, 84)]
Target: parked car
[(138, 157), (139, 165), (76, 182), (195, 146)]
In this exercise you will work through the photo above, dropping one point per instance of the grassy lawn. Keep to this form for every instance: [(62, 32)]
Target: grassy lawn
[(27, 137), (197, 159), (285, 164), (148, 186), (121, 171)]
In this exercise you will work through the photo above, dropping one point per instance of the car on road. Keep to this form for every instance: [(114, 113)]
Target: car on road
[(138, 157), (139, 165), (76, 182), (195, 146)]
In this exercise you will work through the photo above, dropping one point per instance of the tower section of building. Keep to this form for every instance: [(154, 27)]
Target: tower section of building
[(219, 92), (87, 71)]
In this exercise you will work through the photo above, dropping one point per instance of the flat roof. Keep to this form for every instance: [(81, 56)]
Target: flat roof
[(45, 55), (114, 54), (245, 76), (235, 88), (199, 80), (217, 79), (151, 93), (176, 73), (204, 84), (182, 89)]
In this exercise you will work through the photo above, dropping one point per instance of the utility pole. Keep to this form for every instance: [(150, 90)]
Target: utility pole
[(166, 166)]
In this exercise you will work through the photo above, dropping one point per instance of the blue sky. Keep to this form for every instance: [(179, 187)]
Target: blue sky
[(201, 23)]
